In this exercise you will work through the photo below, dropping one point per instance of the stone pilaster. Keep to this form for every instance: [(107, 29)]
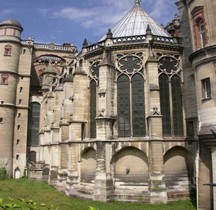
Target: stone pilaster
[(73, 177), (158, 192)]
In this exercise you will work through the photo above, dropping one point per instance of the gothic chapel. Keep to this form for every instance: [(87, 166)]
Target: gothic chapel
[(116, 121)]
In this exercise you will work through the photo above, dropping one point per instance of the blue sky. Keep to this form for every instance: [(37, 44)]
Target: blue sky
[(71, 21)]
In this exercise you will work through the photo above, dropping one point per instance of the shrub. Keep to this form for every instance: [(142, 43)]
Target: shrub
[(24, 204), (2, 173)]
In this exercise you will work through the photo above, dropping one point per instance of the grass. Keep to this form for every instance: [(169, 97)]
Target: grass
[(41, 192)]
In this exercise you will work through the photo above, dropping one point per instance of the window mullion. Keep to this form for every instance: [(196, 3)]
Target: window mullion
[(171, 107), (131, 109)]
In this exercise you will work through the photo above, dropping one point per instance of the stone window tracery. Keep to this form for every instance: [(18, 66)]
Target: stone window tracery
[(94, 69), (130, 95), (170, 95)]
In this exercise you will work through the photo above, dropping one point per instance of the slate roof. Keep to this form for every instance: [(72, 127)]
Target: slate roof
[(135, 23)]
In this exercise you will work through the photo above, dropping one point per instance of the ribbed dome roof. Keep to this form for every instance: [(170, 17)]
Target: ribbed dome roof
[(135, 23), (11, 22)]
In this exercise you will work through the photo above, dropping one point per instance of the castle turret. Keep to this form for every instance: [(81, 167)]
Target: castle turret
[(10, 31)]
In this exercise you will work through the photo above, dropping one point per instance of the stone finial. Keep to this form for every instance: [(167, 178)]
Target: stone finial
[(148, 30), (109, 34), (85, 43), (137, 2)]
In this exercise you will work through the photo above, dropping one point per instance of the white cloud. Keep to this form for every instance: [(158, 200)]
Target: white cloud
[(105, 13), (6, 12), (163, 11)]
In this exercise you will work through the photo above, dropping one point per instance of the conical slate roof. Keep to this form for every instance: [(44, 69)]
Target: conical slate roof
[(135, 23)]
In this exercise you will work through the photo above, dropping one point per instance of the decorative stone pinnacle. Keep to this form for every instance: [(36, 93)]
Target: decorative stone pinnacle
[(148, 30), (85, 43), (137, 2), (109, 34)]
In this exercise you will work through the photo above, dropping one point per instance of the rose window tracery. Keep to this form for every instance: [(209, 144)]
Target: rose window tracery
[(129, 64), (168, 64)]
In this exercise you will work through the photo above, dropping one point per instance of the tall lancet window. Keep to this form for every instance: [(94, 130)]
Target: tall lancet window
[(94, 76), (170, 96), (34, 124), (130, 96)]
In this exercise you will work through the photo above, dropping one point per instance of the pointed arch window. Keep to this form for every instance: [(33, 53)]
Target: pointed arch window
[(34, 124), (130, 96), (170, 97), (92, 109), (94, 75)]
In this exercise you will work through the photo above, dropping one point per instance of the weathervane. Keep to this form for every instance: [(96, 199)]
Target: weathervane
[(137, 2)]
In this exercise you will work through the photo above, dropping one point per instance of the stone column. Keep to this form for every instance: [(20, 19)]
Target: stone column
[(103, 184)]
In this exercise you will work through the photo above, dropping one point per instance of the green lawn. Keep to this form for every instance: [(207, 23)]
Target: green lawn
[(40, 192)]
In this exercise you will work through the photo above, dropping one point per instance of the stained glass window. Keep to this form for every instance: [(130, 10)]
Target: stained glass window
[(170, 96), (130, 90), (138, 107), (92, 109), (177, 106), (165, 104), (124, 127), (34, 122)]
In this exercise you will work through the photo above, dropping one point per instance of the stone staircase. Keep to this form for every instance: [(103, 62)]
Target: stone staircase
[(178, 186), (131, 192), (84, 190)]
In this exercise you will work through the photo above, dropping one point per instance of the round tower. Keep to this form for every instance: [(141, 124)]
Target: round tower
[(10, 31)]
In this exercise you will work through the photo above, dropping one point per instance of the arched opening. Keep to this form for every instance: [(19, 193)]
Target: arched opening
[(176, 170), (88, 165), (17, 173), (130, 165)]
